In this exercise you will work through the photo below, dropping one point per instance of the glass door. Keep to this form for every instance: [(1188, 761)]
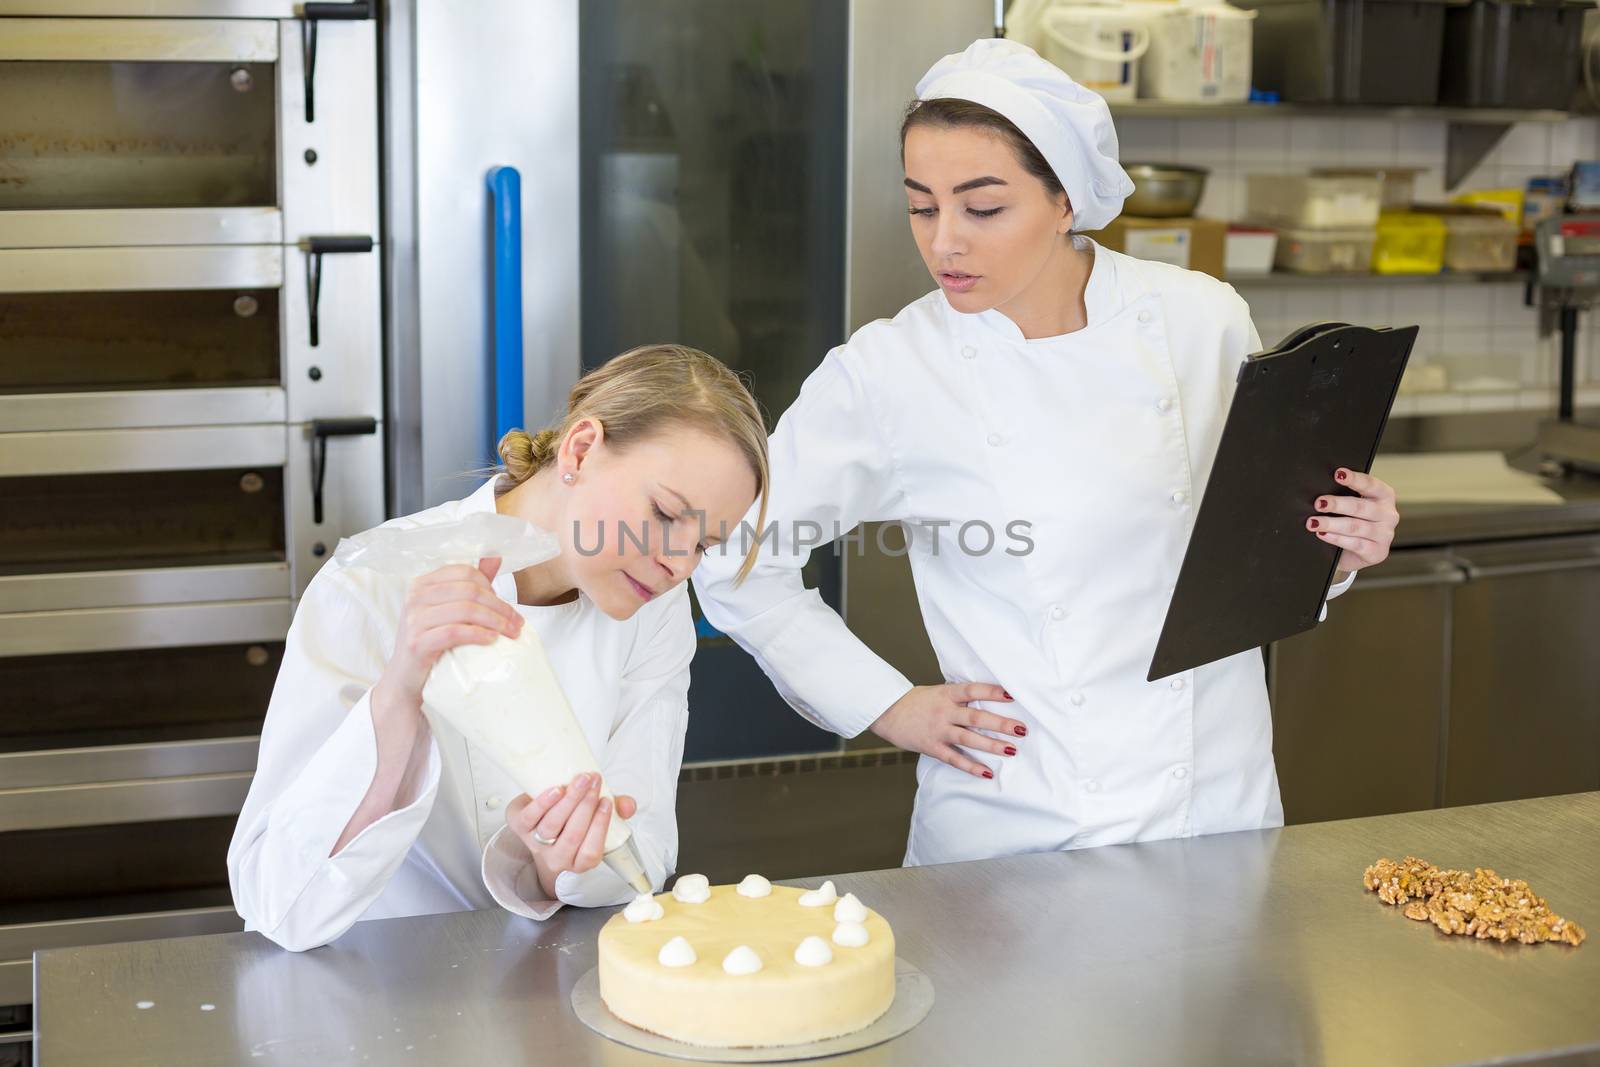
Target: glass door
[(713, 214)]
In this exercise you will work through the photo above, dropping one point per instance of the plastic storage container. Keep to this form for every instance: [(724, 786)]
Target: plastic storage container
[(1512, 53), (1409, 243), (1099, 45), (1508, 202), (1399, 183), (1248, 250), (1477, 240), (1349, 51), (1298, 200), (1326, 251), (1198, 54)]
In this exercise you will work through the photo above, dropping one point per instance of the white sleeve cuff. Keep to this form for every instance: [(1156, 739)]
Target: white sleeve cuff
[(312, 897), (1336, 590), (512, 879)]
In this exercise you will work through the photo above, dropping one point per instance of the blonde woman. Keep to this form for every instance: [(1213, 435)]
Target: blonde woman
[(362, 809)]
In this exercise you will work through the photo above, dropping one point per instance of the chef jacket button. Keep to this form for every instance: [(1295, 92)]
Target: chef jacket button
[(1057, 612), (1177, 683), (1181, 773), (1180, 497), (970, 352), (492, 803), (1145, 317), (1077, 699), (1165, 403), (996, 440), (1091, 786)]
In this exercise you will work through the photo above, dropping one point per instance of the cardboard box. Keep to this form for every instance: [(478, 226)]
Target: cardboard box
[(1195, 244)]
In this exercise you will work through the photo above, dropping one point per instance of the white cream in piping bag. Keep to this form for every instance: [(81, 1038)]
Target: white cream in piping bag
[(504, 698)]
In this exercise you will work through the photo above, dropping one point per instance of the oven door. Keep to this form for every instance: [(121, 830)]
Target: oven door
[(179, 334), (136, 526), (150, 112)]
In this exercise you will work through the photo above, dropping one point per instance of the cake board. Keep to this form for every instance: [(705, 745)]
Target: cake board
[(913, 999)]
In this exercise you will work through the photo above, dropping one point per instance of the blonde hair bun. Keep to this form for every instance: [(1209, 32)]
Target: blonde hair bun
[(644, 392)]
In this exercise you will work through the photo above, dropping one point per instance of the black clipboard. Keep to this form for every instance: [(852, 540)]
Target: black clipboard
[(1253, 573)]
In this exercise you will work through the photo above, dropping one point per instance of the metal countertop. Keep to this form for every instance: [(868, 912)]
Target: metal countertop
[(1444, 524), (1256, 947)]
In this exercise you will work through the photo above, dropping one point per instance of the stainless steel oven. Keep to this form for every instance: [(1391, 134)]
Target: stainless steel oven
[(191, 415)]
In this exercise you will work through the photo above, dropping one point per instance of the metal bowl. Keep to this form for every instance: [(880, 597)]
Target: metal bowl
[(1162, 191)]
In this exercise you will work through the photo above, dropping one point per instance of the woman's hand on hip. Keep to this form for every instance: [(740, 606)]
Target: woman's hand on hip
[(565, 827), (1363, 526), (450, 606), (939, 721)]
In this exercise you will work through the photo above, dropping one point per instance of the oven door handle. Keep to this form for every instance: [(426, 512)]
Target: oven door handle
[(315, 248), (321, 430), (505, 295), (313, 14)]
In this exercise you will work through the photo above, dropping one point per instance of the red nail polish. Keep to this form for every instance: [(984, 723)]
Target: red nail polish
[(1313, 524), (1341, 476), (1020, 731), (1011, 750), (1007, 695), (988, 774), (1322, 502)]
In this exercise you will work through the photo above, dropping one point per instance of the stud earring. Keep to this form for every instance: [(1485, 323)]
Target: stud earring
[(569, 477)]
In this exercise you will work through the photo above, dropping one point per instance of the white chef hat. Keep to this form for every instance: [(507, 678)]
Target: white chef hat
[(1070, 125)]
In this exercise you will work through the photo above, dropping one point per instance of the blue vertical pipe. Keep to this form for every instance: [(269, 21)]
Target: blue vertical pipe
[(505, 193)]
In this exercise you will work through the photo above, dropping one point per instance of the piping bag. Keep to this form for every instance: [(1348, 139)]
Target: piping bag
[(503, 697)]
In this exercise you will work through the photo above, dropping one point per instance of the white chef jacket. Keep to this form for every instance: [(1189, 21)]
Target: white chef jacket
[(1102, 439), (447, 847)]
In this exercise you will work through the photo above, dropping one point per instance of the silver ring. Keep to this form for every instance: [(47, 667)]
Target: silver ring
[(543, 840)]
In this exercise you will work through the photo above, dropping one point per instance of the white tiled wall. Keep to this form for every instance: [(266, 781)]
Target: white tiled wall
[(1481, 330)]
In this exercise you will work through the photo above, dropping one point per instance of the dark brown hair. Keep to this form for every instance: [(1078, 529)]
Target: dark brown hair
[(950, 113)]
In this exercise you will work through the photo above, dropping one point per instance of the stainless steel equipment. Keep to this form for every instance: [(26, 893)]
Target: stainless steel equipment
[(1253, 947), (1566, 280), (1478, 654), (1163, 191), (191, 416)]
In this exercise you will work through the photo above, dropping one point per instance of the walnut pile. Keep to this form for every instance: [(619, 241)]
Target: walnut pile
[(1481, 904)]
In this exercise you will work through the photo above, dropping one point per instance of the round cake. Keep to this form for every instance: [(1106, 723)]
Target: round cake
[(748, 965)]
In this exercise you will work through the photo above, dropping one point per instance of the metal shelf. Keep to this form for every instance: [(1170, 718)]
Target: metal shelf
[(1287, 279), (1470, 132), (1156, 109), (1475, 402)]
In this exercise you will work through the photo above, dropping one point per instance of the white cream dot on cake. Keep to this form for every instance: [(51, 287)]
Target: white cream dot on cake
[(755, 886), (813, 952), (742, 960), (849, 910), (850, 935), (819, 898), (643, 908), (677, 953), (692, 889)]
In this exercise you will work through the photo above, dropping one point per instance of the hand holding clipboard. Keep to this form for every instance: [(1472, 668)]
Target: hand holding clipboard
[(1252, 575)]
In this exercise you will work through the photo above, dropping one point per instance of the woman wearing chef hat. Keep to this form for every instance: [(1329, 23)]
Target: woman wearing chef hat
[(1068, 400)]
